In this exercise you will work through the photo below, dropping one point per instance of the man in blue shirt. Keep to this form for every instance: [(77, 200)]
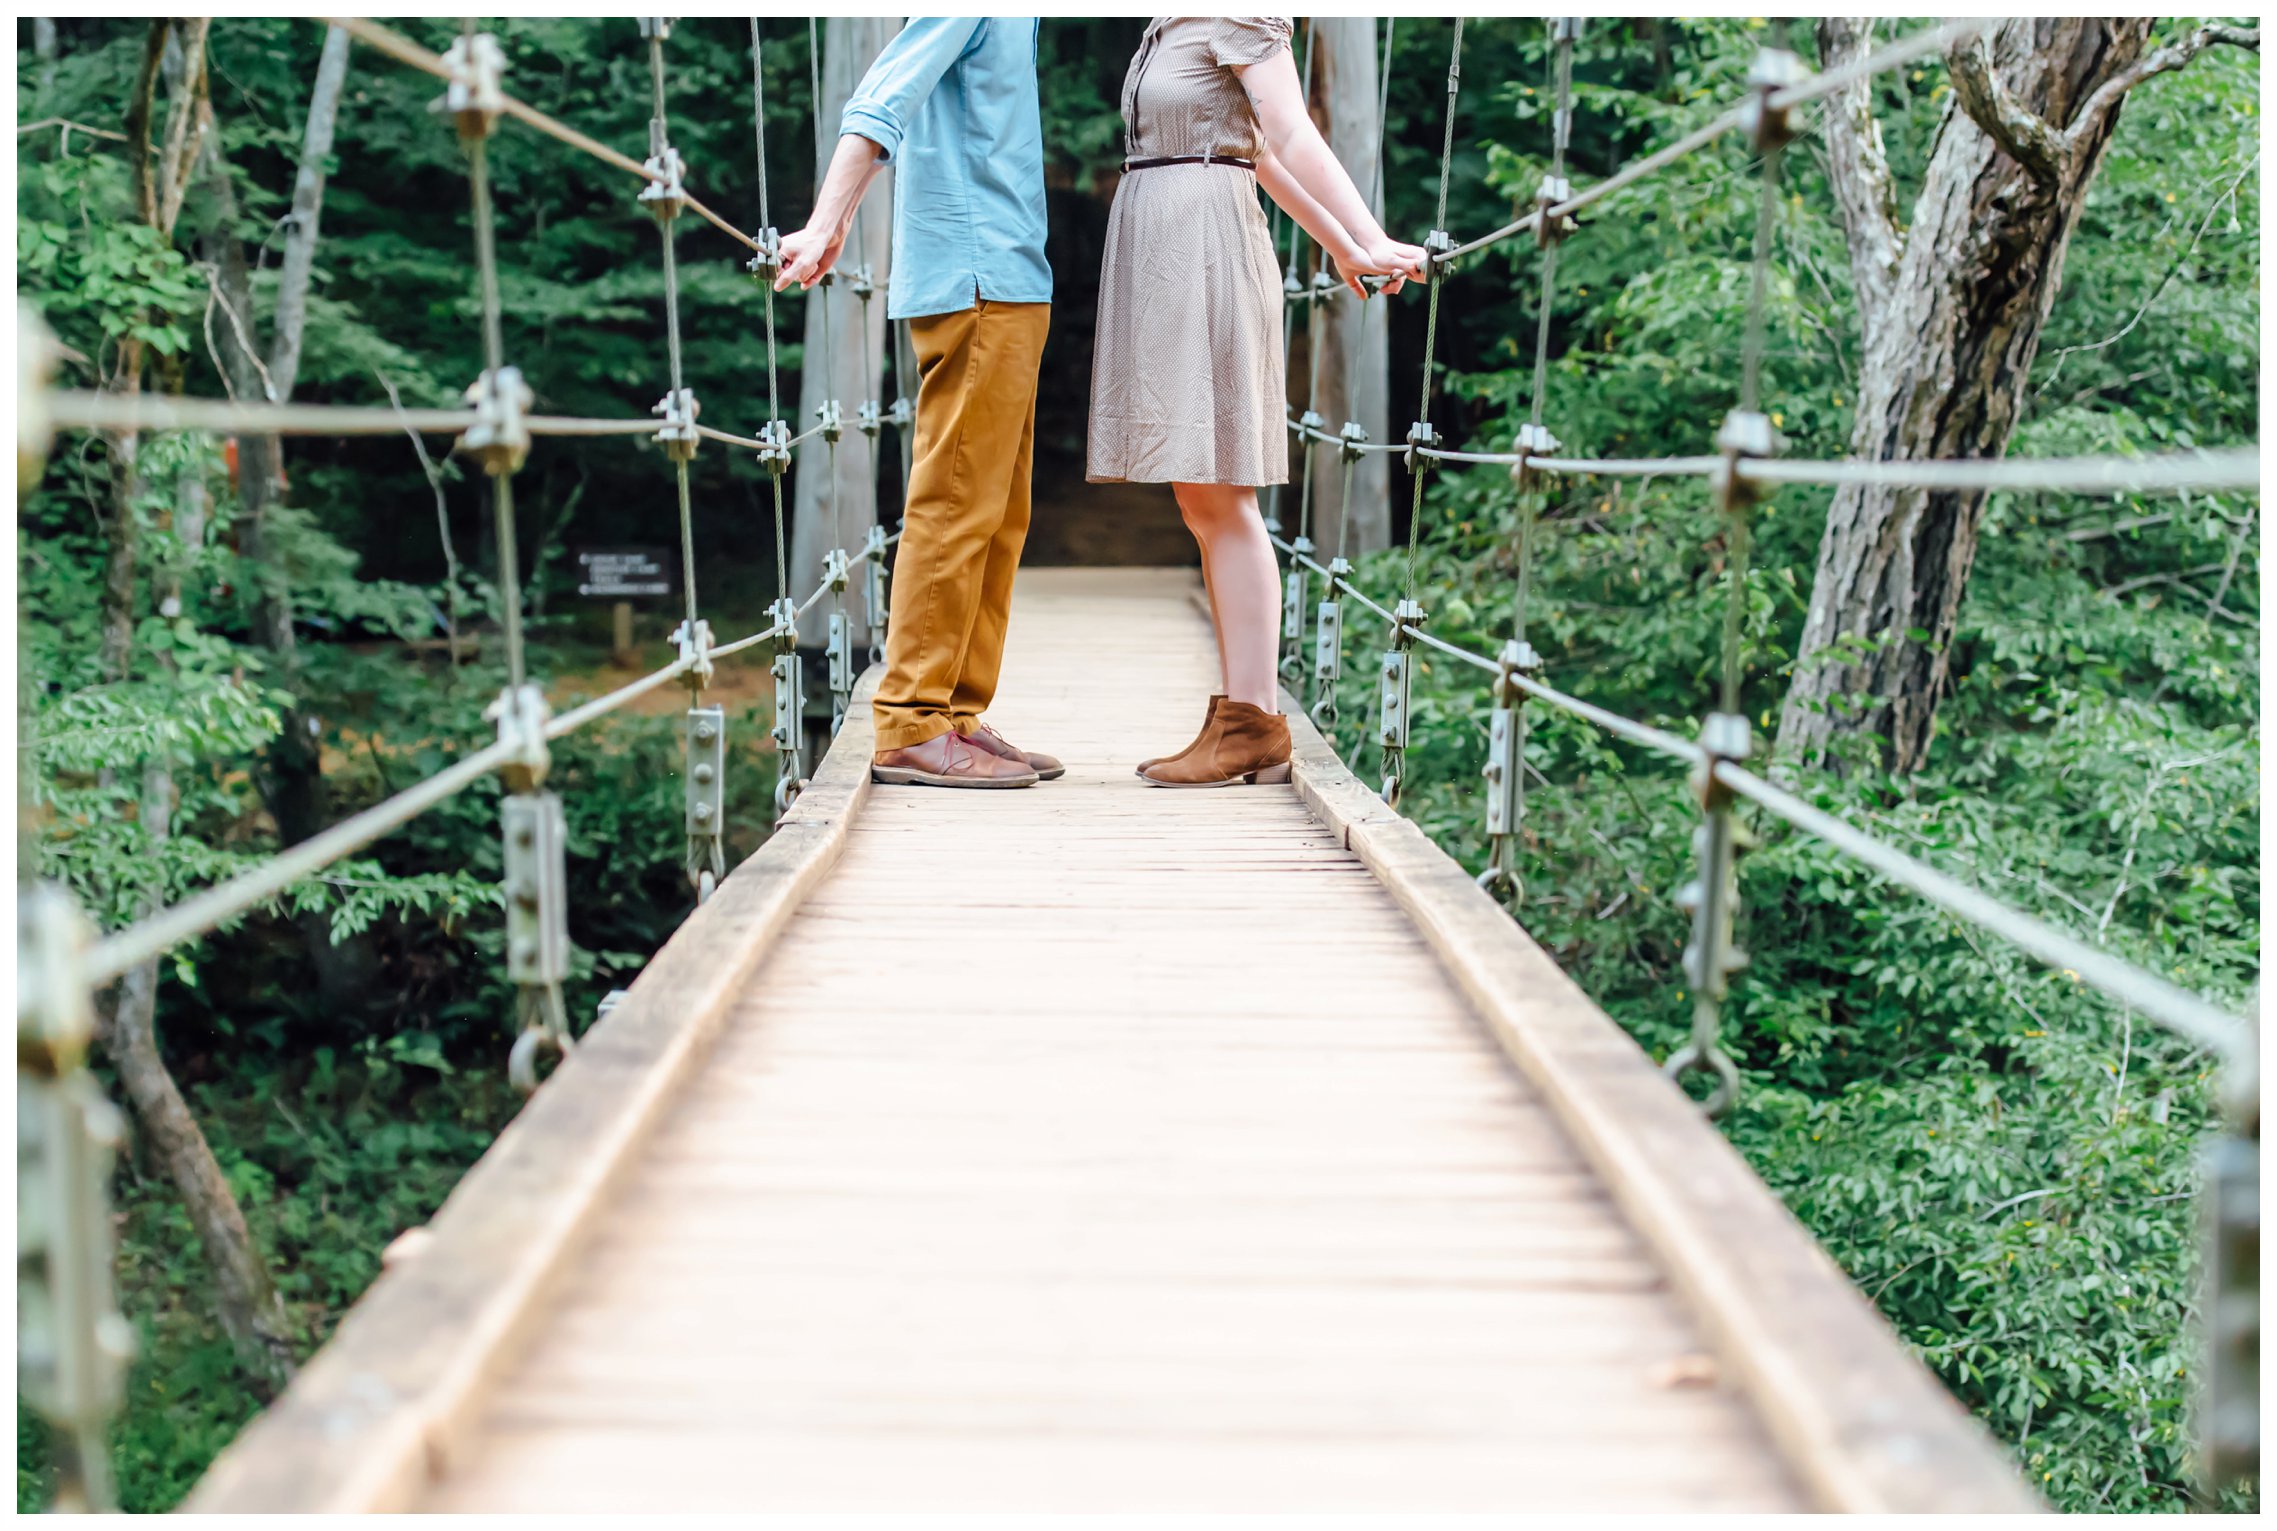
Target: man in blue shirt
[(951, 102)]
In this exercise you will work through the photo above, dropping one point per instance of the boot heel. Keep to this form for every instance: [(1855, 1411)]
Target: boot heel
[(1271, 776)]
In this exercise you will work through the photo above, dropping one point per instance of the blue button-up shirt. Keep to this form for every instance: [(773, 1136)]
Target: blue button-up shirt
[(952, 103)]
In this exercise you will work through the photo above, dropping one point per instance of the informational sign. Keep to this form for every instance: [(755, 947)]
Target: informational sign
[(624, 574)]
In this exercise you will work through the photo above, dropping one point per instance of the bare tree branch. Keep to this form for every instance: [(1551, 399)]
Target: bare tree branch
[(2111, 92), (2021, 133), (185, 119), (1860, 172)]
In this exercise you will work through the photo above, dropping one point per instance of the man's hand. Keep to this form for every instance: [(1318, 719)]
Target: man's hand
[(807, 256)]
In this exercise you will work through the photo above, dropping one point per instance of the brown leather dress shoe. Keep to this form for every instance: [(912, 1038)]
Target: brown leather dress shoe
[(1045, 766), (1215, 699), (948, 760), (1241, 744)]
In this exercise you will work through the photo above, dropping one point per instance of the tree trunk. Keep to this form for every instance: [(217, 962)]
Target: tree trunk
[(250, 1310), (1351, 337), (1951, 307), (852, 366)]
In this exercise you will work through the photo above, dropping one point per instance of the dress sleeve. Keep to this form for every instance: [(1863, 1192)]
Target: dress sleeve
[(1239, 41)]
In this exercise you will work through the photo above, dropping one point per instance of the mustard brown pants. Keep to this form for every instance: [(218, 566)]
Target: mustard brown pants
[(966, 520)]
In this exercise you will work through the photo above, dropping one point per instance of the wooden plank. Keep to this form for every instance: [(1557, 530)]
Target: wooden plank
[(374, 1417), (1859, 1420), (1093, 1147)]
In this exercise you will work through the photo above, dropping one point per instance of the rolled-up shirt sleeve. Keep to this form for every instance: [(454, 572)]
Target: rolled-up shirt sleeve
[(904, 74)]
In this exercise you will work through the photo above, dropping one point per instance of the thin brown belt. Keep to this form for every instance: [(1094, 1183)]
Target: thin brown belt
[(1190, 159)]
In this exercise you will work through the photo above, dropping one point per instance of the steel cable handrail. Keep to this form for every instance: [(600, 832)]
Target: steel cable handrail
[(2157, 998), (202, 912)]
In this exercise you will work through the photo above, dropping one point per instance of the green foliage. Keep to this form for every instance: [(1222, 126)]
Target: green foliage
[(2006, 1163)]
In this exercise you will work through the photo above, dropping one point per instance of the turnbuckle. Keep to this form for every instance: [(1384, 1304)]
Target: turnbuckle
[(1395, 677), (677, 435), (499, 438), (1505, 771), (1711, 898), (474, 96)]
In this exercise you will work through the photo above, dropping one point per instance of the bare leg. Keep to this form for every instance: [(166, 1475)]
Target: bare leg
[(1217, 620), (1245, 587)]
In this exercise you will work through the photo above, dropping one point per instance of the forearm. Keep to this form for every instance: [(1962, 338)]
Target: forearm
[(852, 167), (1310, 166), (1292, 198)]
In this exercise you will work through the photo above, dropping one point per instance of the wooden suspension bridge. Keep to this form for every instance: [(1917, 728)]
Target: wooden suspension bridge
[(1000, 1152)]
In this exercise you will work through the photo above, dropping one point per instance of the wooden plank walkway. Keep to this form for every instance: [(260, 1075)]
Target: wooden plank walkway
[(1101, 1147), (1096, 1147)]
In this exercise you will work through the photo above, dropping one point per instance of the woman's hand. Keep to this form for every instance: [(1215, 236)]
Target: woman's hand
[(1388, 258)]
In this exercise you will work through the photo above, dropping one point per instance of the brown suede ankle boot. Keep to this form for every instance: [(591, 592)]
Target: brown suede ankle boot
[(1240, 744), (1215, 700)]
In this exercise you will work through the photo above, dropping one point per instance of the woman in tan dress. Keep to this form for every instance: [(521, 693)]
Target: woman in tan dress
[(1186, 381)]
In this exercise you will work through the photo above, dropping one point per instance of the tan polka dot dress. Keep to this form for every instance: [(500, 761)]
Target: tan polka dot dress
[(1186, 376)]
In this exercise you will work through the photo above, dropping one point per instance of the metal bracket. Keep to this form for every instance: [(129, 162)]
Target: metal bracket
[(521, 714), (475, 96), (664, 196), (1711, 957), (1745, 433), (499, 439), (1533, 441), (1768, 126), (1395, 677), (1420, 435), (677, 435), (790, 705), (1505, 771), (707, 772), (1438, 250), (696, 650), (775, 447), (874, 590), (766, 261), (1328, 644), (1549, 228), (537, 889), (833, 420)]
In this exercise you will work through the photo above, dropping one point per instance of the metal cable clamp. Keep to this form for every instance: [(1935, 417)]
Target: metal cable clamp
[(774, 440), (665, 195), (1533, 441), (1766, 125), (499, 439), (832, 419), (874, 590), (1328, 644), (537, 930), (521, 714), (1549, 227), (1745, 434), (694, 640), (1420, 438), (677, 435), (706, 792), (1395, 678), (1351, 440), (766, 261), (790, 705), (475, 95)]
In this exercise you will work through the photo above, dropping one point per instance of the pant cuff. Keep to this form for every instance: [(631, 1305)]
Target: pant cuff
[(899, 732)]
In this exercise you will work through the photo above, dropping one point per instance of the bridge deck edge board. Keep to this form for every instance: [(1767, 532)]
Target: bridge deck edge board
[(371, 1421), (1861, 1424)]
